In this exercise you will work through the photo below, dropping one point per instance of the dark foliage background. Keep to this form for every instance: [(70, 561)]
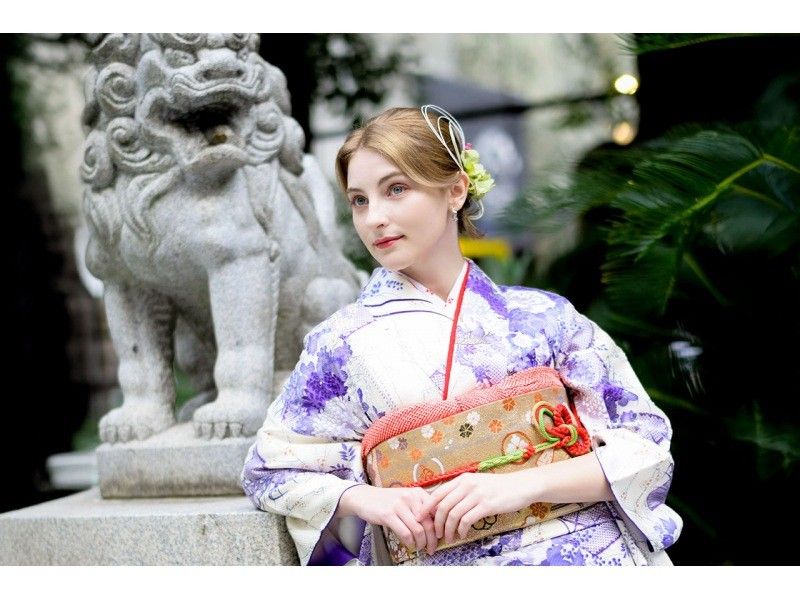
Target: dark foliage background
[(689, 255)]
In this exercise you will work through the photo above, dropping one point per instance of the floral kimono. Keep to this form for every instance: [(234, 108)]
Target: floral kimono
[(388, 350)]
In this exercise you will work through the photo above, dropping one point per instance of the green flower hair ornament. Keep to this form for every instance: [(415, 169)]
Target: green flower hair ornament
[(480, 181)]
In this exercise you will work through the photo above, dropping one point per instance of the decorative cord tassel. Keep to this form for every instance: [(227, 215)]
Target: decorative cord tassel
[(515, 457), (471, 468)]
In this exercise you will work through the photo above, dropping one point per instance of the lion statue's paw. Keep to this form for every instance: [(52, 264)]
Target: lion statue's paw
[(230, 416), (135, 422)]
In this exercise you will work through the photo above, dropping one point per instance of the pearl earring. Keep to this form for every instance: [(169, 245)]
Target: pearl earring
[(455, 214)]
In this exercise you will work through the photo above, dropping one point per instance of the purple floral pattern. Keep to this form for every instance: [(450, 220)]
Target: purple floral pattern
[(615, 397), (482, 285), (308, 450), (313, 385)]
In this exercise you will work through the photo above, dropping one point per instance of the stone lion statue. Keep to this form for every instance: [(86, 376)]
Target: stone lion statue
[(213, 252)]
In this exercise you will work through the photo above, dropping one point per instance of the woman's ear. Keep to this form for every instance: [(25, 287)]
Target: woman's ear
[(458, 191)]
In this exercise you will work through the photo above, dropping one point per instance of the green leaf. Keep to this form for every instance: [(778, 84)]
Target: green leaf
[(628, 325), (658, 42), (700, 521), (509, 271), (778, 104), (777, 445), (743, 223), (665, 399), (642, 286)]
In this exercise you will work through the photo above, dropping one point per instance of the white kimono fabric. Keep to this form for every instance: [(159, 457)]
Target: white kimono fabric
[(388, 350)]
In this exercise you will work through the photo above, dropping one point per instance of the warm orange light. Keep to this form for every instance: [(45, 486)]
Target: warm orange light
[(623, 133)]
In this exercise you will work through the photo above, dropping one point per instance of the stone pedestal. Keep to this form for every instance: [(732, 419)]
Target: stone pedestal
[(85, 529), (173, 463)]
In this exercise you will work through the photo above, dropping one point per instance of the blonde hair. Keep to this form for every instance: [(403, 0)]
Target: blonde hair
[(402, 136)]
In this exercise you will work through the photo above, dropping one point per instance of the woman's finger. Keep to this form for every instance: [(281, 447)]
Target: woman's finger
[(469, 518), (426, 520), (400, 529), (441, 491), (410, 521), (443, 510), (431, 501), (455, 515), (430, 534), (419, 506)]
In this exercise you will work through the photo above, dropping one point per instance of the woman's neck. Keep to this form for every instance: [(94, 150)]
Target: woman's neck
[(438, 274)]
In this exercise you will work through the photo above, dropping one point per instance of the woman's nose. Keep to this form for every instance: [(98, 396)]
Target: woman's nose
[(376, 214)]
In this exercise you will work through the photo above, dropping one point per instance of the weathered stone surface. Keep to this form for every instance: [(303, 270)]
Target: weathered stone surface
[(210, 228), (85, 529), (173, 463)]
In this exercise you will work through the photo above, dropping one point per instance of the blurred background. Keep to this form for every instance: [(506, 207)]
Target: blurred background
[(652, 179)]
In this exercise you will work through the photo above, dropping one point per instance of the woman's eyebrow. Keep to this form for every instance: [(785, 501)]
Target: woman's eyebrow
[(380, 182)]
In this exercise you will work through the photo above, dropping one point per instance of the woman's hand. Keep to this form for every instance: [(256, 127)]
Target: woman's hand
[(399, 509), (456, 505)]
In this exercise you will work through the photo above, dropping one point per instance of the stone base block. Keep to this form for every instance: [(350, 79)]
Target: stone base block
[(173, 463), (85, 529)]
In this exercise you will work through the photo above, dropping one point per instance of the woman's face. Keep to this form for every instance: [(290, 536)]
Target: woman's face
[(386, 203)]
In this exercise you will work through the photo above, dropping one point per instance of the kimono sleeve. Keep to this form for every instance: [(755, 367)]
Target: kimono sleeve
[(630, 434), (307, 452)]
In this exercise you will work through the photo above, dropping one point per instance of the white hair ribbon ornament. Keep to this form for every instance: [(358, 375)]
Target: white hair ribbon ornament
[(456, 137), (455, 129)]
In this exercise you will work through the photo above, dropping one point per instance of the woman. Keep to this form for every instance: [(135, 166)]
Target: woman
[(413, 185)]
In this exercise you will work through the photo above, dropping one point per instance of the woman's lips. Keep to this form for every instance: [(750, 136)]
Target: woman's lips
[(388, 243)]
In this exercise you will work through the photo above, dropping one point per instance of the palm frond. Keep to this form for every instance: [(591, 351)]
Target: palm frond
[(740, 224), (551, 202), (777, 445), (780, 102), (662, 398), (643, 43), (685, 187), (731, 187), (630, 326), (644, 285)]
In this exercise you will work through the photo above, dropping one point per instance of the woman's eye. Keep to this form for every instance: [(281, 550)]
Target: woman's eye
[(397, 189), (354, 201)]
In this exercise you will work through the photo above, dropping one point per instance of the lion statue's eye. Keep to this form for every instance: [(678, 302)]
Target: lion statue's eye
[(178, 58), (237, 41), (185, 40)]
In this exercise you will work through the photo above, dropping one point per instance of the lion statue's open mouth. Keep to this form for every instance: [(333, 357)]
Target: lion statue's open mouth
[(217, 124), (214, 132)]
